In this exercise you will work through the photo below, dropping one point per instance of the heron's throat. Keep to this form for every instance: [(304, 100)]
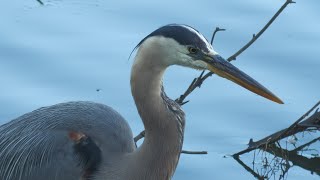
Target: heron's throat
[(164, 128), (146, 88)]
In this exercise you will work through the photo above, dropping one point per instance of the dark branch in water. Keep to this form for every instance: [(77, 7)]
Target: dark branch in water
[(299, 126), (249, 169), (277, 160)]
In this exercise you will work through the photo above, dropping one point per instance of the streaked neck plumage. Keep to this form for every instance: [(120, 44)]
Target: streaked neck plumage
[(163, 119)]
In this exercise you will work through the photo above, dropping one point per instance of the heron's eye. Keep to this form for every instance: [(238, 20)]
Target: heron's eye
[(192, 50)]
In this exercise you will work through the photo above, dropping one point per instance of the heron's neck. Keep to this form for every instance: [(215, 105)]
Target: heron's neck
[(159, 153)]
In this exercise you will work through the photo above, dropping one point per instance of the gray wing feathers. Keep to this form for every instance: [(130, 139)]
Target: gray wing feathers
[(44, 155), (36, 145)]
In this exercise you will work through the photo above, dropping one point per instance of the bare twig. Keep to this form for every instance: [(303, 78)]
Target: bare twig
[(193, 152), (256, 36), (300, 148), (139, 136), (196, 82), (214, 33), (40, 2), (249, 169)]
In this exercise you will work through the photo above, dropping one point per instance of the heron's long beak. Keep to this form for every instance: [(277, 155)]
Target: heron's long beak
[(223, 68)]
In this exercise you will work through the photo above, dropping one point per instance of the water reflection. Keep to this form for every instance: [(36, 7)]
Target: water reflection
[(277, 159)]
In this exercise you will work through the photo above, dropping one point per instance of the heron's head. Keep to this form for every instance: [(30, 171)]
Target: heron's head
[(177, 44)]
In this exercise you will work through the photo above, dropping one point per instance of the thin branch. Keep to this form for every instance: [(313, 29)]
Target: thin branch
[(40, 2), (139, 136), (214, 33), (249, 169), (300, 148), (193, 152), (256, 36), (196, 82)]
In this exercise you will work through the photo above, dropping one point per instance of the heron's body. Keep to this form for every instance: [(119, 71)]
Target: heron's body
[(86, 140), (33, 154)]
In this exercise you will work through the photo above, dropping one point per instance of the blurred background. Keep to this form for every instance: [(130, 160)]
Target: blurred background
[(69, 50)]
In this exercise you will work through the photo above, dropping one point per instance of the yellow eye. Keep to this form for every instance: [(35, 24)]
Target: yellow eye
[(192, 50)]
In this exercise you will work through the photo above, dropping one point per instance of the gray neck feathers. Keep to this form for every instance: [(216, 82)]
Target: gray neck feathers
[(163, 119)]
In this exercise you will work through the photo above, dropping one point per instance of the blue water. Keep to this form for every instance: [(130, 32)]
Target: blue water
[(67, 49)]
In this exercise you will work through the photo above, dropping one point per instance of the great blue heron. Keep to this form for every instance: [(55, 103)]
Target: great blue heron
[(86, 140)]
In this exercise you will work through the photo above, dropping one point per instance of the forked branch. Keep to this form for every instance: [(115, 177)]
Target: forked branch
[(300, 125)]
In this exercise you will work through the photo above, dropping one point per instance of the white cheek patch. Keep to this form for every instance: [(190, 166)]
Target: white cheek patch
[(185, 60), (198, 64), (169, 52)]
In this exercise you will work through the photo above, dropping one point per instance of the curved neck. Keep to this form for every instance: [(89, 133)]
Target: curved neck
[(158, 156)]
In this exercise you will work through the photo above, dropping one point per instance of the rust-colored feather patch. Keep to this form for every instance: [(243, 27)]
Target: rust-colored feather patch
[(76, 136)]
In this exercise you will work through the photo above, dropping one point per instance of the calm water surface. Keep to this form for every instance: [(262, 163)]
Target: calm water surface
[(67, 49)]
